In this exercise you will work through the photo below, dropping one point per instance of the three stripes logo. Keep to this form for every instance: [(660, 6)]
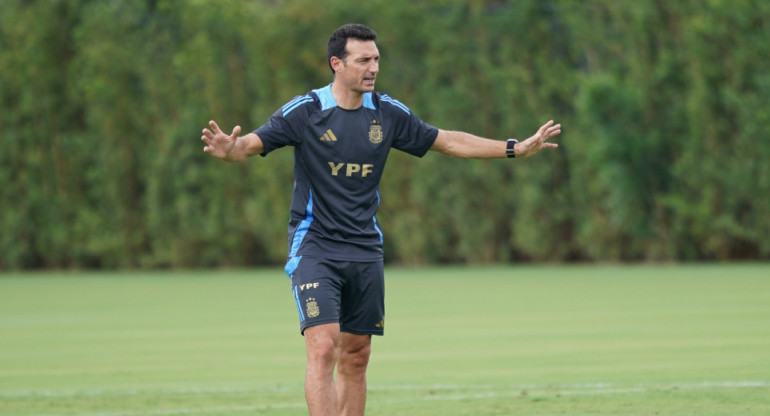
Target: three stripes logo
[(328, 136)]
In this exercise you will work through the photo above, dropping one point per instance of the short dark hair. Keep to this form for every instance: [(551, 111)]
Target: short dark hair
[(339, 39)]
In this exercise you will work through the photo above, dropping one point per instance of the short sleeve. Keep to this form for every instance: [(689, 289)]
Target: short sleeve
[(411, 135), (416, 137), (284, 127)]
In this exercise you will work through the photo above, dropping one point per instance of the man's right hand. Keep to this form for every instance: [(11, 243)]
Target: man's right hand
[(218, 144)]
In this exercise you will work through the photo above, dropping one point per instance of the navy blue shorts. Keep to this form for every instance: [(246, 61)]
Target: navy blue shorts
[(345, 292)]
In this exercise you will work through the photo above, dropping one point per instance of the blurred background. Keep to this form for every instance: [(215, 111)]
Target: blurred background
[(664, 153)]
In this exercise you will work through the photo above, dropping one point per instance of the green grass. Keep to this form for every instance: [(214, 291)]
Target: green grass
[(571, 340)]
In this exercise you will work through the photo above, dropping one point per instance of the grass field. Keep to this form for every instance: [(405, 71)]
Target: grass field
[(555, 340)]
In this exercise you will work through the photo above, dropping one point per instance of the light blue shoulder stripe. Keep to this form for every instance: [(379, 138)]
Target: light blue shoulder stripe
[(325, 95), (293, 101), (293, 104), (327, 98), (368, 103), (386, 98)]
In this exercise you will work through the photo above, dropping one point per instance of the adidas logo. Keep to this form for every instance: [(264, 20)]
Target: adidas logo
[(328, 136)]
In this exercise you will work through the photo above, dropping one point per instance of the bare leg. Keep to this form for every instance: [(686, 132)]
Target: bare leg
[(351, 373), (322, 343)]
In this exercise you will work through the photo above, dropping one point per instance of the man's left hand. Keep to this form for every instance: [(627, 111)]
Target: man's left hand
[(538, 142)]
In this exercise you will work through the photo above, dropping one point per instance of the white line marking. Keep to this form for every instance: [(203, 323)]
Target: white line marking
[(436, 387), (483, 392)]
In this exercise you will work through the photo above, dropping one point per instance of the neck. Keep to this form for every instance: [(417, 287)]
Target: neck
[(347, 98)]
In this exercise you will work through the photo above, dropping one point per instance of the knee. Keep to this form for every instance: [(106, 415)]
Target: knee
[(323, 353), (355, 359), (322, 349)]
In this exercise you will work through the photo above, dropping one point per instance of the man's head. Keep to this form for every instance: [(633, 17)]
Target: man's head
[(339, 39), (354, 58)]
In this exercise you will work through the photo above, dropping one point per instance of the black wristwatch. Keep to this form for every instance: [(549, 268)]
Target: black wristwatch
[(509, 147)]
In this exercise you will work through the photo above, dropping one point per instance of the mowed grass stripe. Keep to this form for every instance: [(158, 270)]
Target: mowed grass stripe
[(230, 339), (579, 324), (578, 387), (509, 397)]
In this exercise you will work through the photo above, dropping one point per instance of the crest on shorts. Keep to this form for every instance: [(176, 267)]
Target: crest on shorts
[(311, 306), (375, 132)]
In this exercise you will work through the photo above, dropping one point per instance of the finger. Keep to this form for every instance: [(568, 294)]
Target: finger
[(206, 139), (236, 132), (214, 127), (544, 127), (550, 130), (208, 133), (548, 137), (553, 132)]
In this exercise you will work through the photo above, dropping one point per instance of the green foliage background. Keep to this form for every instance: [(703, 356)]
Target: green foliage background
[(664, 157)]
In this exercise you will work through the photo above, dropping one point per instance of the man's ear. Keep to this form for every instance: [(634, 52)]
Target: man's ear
[(336, 63)]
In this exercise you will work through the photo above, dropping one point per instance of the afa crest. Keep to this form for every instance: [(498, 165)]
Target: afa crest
[(375, 132), (312, 308)]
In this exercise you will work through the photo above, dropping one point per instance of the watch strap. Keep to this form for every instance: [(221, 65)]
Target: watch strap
[(509, 151)]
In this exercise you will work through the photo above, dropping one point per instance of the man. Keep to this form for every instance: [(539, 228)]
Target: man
[(341, 135)]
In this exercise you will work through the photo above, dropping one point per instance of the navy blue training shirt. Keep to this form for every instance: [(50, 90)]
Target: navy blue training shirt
[(339, 158)]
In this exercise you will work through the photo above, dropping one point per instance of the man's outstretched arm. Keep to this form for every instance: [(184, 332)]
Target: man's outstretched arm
[(465, 145), (231, 148)]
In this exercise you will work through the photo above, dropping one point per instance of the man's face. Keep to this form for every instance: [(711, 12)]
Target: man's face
[(359, 69)]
